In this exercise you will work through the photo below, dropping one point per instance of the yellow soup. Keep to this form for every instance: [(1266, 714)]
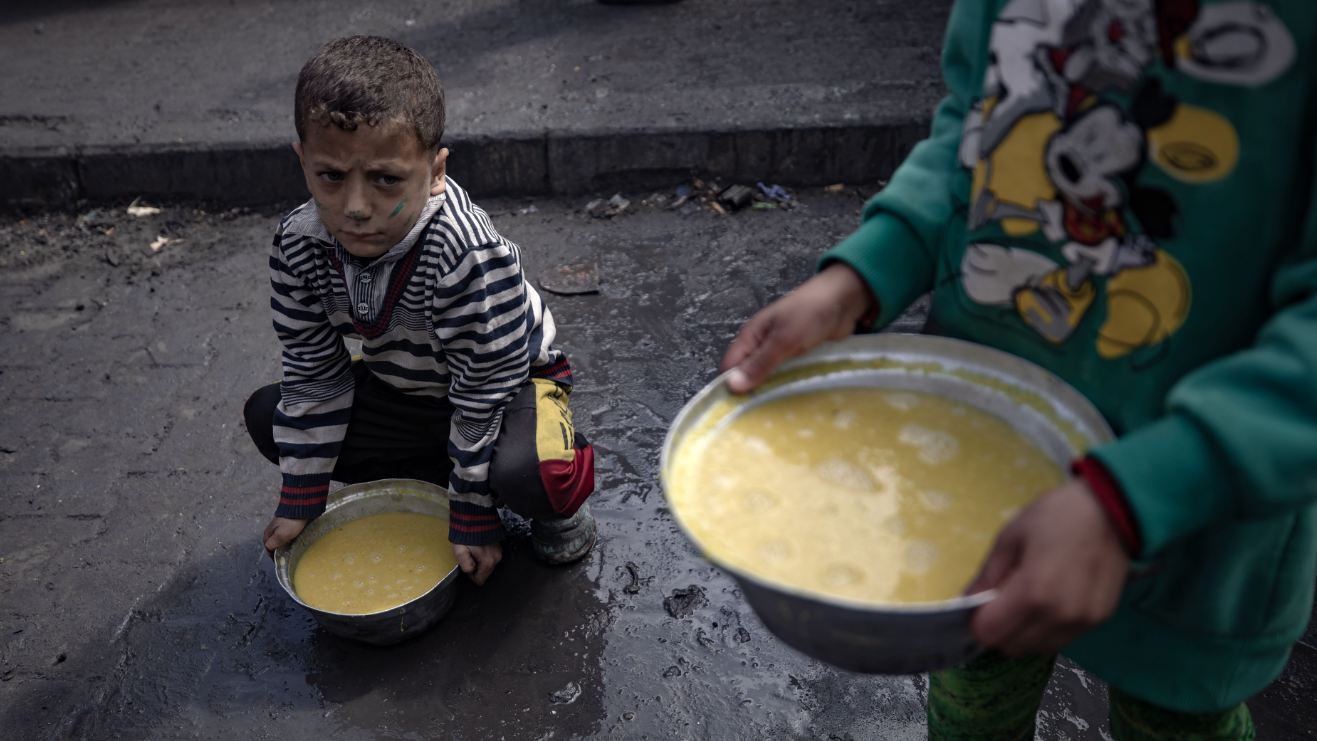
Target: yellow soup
[(871, 494), (374, 563)]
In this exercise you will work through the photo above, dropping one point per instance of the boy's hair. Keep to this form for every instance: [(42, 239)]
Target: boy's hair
[(371, 80)]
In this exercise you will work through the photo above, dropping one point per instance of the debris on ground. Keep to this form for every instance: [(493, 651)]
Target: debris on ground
[(161, 241), (529, 210), (684, 602), (681, 201), (764, 205), (136, 210), (683, 191), (776, 192), (742, 635), (634, 586), (736, 196), (570, 280), (718, 207), (835, 188), (567, 695), (600, 208), (671, 672)]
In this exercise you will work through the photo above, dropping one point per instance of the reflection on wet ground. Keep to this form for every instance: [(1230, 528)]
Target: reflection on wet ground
[(138, 603)]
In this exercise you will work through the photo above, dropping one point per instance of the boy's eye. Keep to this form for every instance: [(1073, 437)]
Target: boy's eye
[(333, 177), (389, 180)]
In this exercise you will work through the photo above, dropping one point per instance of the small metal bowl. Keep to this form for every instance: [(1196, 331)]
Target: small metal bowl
[(889, 638), (354, 502)]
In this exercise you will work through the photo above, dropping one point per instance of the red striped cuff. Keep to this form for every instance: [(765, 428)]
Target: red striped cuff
[(303, 497), (1109, 494), (471, 524)]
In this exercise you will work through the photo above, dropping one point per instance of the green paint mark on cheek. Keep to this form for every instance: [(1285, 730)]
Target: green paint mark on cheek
[(321, 206), (398, 208)]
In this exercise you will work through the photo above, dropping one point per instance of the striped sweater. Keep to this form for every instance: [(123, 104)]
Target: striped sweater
[(445, 313)]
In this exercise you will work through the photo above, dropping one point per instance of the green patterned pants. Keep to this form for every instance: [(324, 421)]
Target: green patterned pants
[(993, 698)]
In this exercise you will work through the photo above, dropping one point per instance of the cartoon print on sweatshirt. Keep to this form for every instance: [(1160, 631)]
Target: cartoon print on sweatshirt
[(1053, 153)]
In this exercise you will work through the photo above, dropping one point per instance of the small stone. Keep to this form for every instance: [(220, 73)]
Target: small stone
[(742, 635), (684, 602), (567, 695), (737, 196), (671, 672)]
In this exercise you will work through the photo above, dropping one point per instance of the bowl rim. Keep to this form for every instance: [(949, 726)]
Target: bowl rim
[(343, 497), (1016, 368)]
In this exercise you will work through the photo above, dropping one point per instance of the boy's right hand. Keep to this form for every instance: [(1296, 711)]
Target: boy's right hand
[(478, 561), (825, 307), (280, 531)]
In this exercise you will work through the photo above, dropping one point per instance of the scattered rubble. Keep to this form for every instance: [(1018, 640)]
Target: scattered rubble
[(600, 208)]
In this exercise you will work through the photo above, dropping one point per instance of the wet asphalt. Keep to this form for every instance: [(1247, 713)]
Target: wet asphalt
[(135, 598)]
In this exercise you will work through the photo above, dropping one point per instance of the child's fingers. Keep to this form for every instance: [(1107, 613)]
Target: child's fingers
[(779, 343), (1004, 556), (746, 341), (995, 624), (464, 560)]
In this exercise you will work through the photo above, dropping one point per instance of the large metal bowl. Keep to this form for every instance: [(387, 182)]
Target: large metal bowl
[(889, 638), (354, 502)]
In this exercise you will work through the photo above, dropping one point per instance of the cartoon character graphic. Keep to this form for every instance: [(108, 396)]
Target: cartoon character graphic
[(1068, 120)]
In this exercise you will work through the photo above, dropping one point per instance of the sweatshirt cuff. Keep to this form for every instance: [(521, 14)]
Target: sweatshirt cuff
[(471, 524), (1171, 477), (890, 257), (303, 496), (1107, 491)]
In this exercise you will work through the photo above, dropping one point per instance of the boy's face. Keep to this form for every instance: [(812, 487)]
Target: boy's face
[(369, 185)]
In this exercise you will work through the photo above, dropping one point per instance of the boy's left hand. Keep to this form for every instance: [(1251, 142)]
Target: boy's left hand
[(478, 561), (1059, 568)]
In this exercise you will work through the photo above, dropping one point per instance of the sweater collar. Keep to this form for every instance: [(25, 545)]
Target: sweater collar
[(307, 223)]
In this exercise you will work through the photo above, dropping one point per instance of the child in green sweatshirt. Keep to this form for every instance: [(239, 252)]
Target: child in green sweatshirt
[(1120, 191)]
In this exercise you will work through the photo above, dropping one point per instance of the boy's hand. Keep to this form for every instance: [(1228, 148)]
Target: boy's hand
[(478, 561), (280, 531), (825, 307), (1059, 568)]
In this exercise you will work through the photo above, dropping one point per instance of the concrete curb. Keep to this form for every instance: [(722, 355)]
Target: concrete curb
[(555, 163)]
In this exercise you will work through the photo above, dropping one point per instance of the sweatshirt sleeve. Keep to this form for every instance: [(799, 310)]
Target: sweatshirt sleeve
[(312, 417), (1239, 439), (483, 320), (895, 248)]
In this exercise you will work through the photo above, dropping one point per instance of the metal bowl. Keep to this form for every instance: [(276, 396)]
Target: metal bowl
[(353, 502), (889, 638)]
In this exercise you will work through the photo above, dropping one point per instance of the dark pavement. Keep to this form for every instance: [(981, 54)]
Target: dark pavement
[(137, 602)]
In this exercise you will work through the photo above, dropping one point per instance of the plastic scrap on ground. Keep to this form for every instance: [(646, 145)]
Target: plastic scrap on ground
[(569, 280), (136, 210), (600, 208)]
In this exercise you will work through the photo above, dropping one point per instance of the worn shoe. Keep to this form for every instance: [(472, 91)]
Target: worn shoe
[(566, 540)]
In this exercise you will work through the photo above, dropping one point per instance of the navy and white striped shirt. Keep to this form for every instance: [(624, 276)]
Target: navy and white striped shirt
[(445, 313)]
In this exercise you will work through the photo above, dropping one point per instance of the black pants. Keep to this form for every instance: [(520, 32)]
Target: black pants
[(396, 435)]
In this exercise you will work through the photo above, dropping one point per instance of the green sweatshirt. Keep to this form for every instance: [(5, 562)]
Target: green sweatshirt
[(1122, 192)]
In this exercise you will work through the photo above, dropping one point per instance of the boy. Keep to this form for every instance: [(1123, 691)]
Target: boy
[(1122, 192), (459, 383)]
